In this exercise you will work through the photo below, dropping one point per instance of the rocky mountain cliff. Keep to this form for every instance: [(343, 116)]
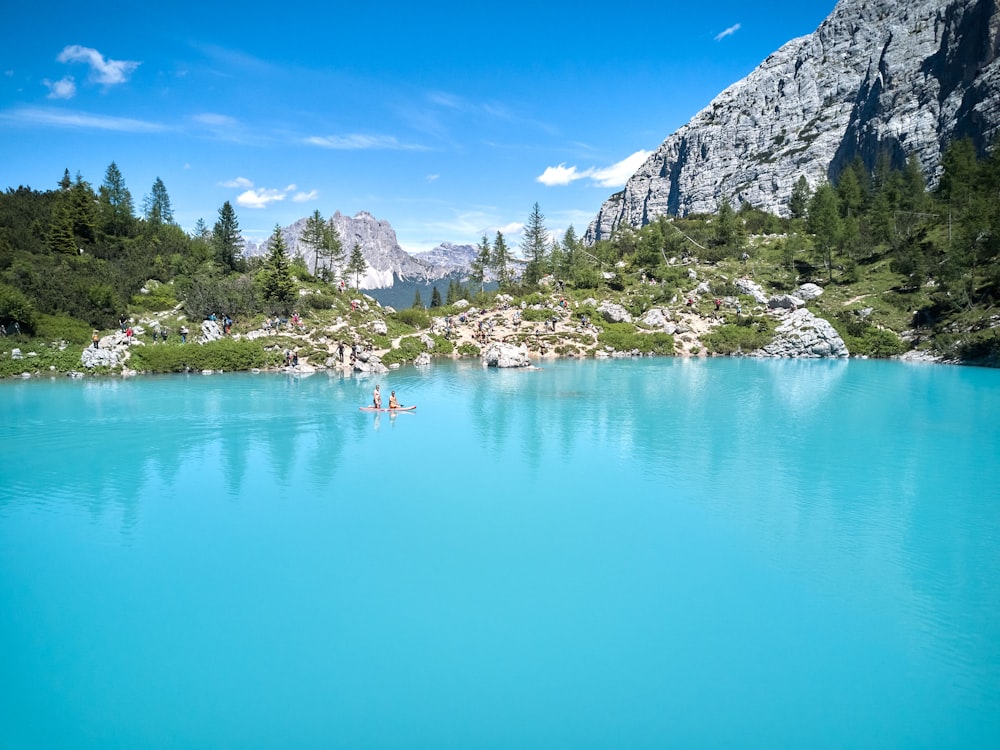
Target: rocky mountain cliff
[(385, 258), (895, 76)]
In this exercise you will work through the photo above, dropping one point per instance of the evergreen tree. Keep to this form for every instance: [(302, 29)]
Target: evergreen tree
[(534, 246), (226, 238), (435, 297), (481, 263), (571, 254), (83, 211), (356, 265), (275, 278), (116, 208), (798, 203), (849, 193), (418, 303), (314, 235), (452, 296), (156, 206), (501, 261), (824, 223), (65, 182), (332, 249), (201, 230), (729, 232), (60, 237)]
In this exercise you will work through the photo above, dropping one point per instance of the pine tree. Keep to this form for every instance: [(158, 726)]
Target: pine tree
[(226, 238), (201, 230), (275, 278), (452, 296), (418, 303), (798, 203), (534, 246), (824, 223), (83, 211), (356, 265), (501, 261), (333, 250), (435, 297), (314, 235), (156, 206), (481, 263), (116, 208)]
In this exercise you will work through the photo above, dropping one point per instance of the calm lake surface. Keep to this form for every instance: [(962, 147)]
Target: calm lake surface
[(624, 554)]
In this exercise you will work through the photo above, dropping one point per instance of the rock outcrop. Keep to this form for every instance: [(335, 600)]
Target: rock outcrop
[(802, 335), (895, 77), (505, 355)]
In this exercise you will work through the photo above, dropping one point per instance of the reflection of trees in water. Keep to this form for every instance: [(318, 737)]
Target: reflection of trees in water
[(106, 444)]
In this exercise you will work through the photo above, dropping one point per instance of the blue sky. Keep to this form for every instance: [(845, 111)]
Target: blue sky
[(448, 121)]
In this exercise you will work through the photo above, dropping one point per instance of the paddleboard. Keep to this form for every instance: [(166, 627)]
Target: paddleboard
[(372, 408)]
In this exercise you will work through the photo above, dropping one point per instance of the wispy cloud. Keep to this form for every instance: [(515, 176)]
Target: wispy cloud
[(215, 120), (306, 197), (59, 118), (104, 71), (432, 177), (728, 32), (239, 182), (64, 88), (360, 142), (615, 175)]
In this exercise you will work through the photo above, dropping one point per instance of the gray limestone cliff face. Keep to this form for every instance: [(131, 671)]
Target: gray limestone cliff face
[(895, 76)]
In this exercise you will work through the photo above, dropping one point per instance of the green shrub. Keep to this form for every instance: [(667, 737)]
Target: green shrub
[(624, 337), (864, 339), (320, 301), (533, 315), (413, 317), (63, 328), (468, 349), (225, 354), (15, 306), (158, 297), (47, 357), (407, 351), (745, 336)]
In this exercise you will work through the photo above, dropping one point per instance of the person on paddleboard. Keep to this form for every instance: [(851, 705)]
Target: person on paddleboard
[(393, 401), (377, 397)]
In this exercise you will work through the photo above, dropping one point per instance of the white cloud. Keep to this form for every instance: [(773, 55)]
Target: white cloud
[(263, 197), (561, 175), (64, 88), (108, 72), (513, 228), (260, 197), (65, 119), (359, 142), (239, 182), (432, 177), (617, 174), (614, 176), (728, 32)]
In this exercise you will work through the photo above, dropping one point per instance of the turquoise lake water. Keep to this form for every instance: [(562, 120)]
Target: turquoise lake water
[(625, 554)]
